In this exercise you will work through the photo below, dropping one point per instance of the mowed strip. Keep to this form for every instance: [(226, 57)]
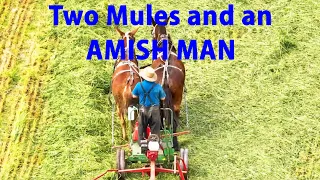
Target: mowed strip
[(21, 103), (7, 58), (6, 16)]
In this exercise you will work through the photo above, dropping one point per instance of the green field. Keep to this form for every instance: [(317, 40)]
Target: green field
[(256, 117)]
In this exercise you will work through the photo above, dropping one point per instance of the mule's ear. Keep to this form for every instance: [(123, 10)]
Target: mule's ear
[(153, 22), (133, 32), (167, 20), (119, 31)]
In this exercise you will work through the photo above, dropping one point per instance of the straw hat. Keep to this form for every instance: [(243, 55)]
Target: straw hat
[(148, 74)]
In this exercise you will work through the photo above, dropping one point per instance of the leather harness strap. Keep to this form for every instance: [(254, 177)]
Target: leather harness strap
[(132, 66), (165, 68), (166, 63), (133, 69)]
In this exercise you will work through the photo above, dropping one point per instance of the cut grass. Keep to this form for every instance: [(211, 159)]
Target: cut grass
[(20, 94)]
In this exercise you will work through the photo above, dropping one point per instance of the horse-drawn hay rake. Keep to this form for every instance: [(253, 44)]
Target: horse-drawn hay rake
[(157, 153)]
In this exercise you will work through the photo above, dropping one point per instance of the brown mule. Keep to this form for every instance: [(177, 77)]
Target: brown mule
[(171, 75), (124, 79)]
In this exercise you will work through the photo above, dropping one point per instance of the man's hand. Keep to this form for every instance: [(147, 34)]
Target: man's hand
[(162, 102)]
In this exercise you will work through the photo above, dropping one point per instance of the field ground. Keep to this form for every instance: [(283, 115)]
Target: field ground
[(256, 117)]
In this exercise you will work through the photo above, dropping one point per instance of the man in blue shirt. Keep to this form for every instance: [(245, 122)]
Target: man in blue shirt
[(150, 93)]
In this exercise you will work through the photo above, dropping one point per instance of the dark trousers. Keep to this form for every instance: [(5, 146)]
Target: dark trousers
[(149, 116)]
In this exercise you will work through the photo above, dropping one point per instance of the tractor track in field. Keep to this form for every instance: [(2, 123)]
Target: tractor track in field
[(18, 152)]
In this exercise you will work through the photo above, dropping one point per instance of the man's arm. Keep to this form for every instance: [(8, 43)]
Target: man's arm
[(162, 94), (135, 92), (162, 97)]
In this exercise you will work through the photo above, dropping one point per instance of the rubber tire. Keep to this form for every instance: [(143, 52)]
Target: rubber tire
[(186, 161), (118, 158), (181, 156), (186, 158), (121, 163)]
